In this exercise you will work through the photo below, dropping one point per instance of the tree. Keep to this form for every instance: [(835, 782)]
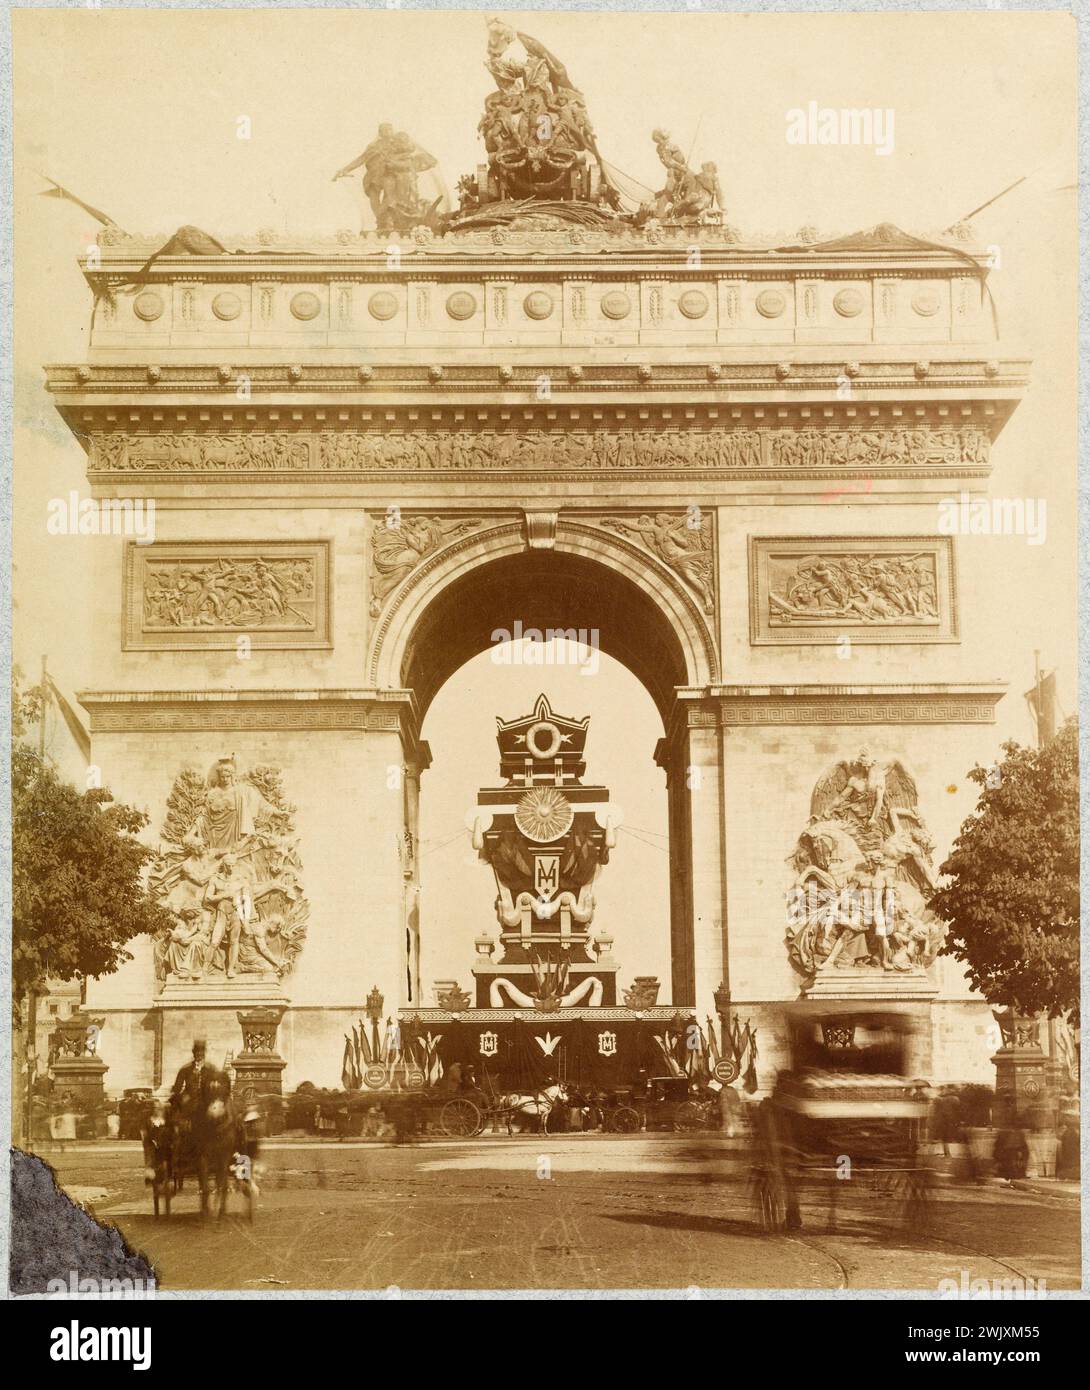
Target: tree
[(78, 892), (1012, 895)]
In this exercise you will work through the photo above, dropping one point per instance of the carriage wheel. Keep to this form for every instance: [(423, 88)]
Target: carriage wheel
[(690, 1116), (460, 1119), (624, 1120)]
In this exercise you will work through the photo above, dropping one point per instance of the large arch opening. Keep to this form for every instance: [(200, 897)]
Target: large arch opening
[(615, 607), (544, 591)]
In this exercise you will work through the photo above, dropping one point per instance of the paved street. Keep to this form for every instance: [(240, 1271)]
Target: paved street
[(569, 1211)]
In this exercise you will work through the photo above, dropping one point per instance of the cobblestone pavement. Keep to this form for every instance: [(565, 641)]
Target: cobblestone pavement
[(563, 1212)]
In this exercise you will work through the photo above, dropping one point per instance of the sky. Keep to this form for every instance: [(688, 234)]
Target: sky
[(139, 113)]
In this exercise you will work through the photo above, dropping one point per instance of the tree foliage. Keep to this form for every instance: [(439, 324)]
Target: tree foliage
[(78, 891), (1011, 894)]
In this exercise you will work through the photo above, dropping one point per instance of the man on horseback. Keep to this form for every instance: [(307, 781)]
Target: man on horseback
[(198, 1083)]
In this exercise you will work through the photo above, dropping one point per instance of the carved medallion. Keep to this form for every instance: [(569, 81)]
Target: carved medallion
[(461, 305), (926, 303), (848, 303), (616, 305), (382, 306), (227, 306), (305, 305), (544, 814), (538, 304), (693, 304), (148, 306), (770, 304)]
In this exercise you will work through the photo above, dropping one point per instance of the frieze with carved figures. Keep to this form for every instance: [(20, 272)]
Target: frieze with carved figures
[(897, 451)]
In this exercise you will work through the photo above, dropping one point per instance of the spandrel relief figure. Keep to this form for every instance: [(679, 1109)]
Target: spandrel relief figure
[(230, 870)]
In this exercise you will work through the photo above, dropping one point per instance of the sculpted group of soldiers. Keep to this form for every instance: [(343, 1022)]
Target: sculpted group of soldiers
[(391, 164), (540, 145)]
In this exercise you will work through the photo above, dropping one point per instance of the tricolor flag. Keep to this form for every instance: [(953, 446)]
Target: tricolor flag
[(348, 1074)]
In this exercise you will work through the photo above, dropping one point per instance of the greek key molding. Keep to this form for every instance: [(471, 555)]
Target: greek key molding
[(185, 711), (206, 595), (819, 590)]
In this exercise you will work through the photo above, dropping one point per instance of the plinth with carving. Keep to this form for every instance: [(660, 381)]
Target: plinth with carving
[(1022, 1092), (259, 1068), (78, 1070)]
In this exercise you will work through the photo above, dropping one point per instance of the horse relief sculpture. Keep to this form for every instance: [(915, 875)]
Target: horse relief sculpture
[(863, 876), (229, 869)]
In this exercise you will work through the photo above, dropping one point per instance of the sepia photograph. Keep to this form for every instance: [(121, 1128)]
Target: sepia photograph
[(544, 688)]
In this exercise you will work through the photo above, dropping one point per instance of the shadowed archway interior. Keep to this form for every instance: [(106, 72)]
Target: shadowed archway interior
[(544, 590)]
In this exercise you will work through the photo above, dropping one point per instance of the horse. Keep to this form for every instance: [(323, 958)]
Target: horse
[(159, 1139), (227, 1147), (540, 1105), (220, 1146)]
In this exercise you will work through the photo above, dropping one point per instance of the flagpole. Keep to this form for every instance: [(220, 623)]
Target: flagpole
[(1039, 710)]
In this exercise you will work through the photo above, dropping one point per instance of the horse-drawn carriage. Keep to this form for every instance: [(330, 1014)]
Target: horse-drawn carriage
[(217, 1143), (468, 1112), (846, 1110)]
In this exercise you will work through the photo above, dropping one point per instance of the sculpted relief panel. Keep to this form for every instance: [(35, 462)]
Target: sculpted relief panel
[(229, 869), (206, 594), (813, 589), (737, 450), (862, 877)]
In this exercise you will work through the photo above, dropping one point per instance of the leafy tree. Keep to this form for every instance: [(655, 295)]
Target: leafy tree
[(78, 895), (1012, 895)]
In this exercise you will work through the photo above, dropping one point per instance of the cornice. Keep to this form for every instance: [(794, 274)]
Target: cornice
[(748, 705), (183, 711), (508, 379)]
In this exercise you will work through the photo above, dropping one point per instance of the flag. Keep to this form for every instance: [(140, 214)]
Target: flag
[(366, 1055), (1042, 703), (56, 191), (71, 718), (750, 1082), (348, 1076)]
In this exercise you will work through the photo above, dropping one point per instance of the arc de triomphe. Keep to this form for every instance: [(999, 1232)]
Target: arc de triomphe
[(369, 453)]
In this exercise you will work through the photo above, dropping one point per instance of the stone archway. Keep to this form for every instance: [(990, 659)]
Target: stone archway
[(570, 577)]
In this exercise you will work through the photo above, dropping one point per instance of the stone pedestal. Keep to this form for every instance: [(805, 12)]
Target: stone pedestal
[(259, 1068), (82, 1078), (1021, 1085), (880, 986)]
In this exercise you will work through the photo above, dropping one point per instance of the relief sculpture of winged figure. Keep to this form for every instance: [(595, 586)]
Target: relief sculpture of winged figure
[(863, 875)]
